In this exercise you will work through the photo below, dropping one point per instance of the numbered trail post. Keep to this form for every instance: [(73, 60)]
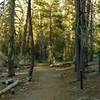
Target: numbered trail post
[(81, 79)]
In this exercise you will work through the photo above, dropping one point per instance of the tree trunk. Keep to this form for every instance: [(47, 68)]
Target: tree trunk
[(11, 32), (32, 41), (23, 46), (91, 33), (78, 41), (81, 36), (50, 58), (41, 47)]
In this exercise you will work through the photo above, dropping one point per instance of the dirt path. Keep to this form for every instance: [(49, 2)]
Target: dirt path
[(48, 84), (51, 84)]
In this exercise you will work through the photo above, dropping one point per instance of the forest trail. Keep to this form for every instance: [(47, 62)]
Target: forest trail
[(48, 84), (54, 84)]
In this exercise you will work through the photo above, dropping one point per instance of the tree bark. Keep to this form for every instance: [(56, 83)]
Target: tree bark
[(32, 41), (50, 58), (23, 46), (77, 48), (40, 36), (81, 36), (11, 32)]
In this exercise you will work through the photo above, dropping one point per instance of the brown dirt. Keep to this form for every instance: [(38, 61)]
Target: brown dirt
[(57, 84)]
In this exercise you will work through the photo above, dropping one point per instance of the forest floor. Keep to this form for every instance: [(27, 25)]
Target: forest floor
[(57, 84)]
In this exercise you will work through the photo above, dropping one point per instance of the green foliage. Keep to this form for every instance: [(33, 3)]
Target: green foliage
[(63, 23)]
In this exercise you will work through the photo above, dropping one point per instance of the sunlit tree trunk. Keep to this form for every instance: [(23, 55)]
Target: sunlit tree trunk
[(65, 50), (50, 56), (23, 45), (40, 36), (11, 32)]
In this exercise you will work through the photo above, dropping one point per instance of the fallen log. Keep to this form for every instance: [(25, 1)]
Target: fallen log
[(8, 82), (9, 87), (64, 64)]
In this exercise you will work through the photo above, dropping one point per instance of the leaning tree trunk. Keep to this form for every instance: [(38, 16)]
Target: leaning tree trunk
[(11, 32), (32, 41)]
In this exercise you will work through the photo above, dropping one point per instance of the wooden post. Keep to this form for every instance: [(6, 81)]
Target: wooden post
[(81, 79)]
